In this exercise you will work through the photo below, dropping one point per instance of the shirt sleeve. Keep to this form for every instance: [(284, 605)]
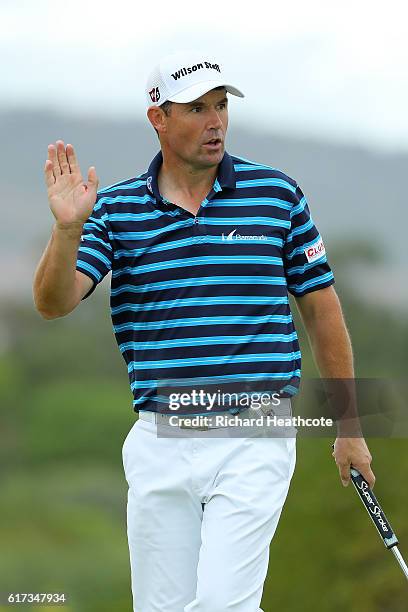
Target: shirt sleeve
[(305, 259), (95, 251)]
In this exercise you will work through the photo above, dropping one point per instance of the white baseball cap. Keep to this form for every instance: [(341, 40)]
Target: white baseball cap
[(185, 76)]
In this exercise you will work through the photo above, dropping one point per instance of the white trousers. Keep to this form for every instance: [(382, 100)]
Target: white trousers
[(184, 558)]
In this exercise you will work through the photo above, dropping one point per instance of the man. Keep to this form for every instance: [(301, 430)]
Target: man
[(203, 249)]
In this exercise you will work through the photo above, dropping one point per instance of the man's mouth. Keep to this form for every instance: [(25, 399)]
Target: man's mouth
[(214, 143)]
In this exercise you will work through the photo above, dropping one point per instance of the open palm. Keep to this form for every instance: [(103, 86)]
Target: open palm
[(71, 199)]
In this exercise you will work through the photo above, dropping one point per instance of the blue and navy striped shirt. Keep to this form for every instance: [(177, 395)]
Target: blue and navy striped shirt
[(203, 299)]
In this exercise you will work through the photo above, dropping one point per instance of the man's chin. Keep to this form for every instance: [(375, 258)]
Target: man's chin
[(212, 158)]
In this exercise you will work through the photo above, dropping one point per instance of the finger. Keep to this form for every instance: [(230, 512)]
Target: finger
[(72, 160), (62, 157), (92, 178), (52, 156), (344, 471), (49, 174), (367, 473)]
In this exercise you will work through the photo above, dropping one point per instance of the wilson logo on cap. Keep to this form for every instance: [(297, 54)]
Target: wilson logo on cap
[(154, 94), (200, 66)]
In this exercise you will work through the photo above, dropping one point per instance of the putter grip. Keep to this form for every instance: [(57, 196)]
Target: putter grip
[(373, 508)]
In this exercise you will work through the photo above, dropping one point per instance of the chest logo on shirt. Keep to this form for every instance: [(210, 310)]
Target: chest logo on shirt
[(315, 251), (232, 236)]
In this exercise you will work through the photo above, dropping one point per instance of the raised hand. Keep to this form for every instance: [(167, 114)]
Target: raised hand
[(71, 199)]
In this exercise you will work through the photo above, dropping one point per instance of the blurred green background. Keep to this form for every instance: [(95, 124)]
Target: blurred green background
[(65, 411)]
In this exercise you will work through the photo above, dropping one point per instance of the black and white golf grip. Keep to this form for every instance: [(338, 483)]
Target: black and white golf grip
[(373, 508), (378, 517)]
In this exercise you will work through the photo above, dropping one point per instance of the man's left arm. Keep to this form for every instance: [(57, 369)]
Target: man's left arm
[(330, 342)]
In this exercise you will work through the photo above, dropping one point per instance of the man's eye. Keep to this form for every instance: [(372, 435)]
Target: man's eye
[(196, 109), (222, 105)]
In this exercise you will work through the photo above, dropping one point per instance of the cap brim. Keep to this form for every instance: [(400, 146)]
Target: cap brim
[(199, 89)]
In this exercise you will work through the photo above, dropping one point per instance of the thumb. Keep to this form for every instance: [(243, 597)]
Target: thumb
[(92, 178)]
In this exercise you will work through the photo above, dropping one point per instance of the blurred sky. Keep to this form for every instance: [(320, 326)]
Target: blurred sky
[(327, 70)]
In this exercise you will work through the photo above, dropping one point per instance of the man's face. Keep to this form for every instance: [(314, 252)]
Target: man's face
[(196, 131)]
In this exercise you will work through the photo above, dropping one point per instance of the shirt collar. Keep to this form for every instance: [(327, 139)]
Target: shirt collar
[(225, 177)]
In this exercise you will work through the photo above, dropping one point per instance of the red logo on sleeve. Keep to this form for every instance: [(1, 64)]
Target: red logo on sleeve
[(315, 251)]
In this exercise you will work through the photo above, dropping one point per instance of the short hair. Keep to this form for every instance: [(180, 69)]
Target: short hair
[(166, 106)]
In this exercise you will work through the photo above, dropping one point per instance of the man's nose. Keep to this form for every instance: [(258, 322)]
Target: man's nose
[(214, 120)]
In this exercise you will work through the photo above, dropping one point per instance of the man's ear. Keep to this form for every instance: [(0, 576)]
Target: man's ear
[(157, 118)]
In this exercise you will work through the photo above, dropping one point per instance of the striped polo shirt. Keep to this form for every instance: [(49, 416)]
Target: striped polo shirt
[(201, 301)]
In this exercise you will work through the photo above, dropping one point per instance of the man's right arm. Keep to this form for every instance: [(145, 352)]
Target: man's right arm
[(58, 287)]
